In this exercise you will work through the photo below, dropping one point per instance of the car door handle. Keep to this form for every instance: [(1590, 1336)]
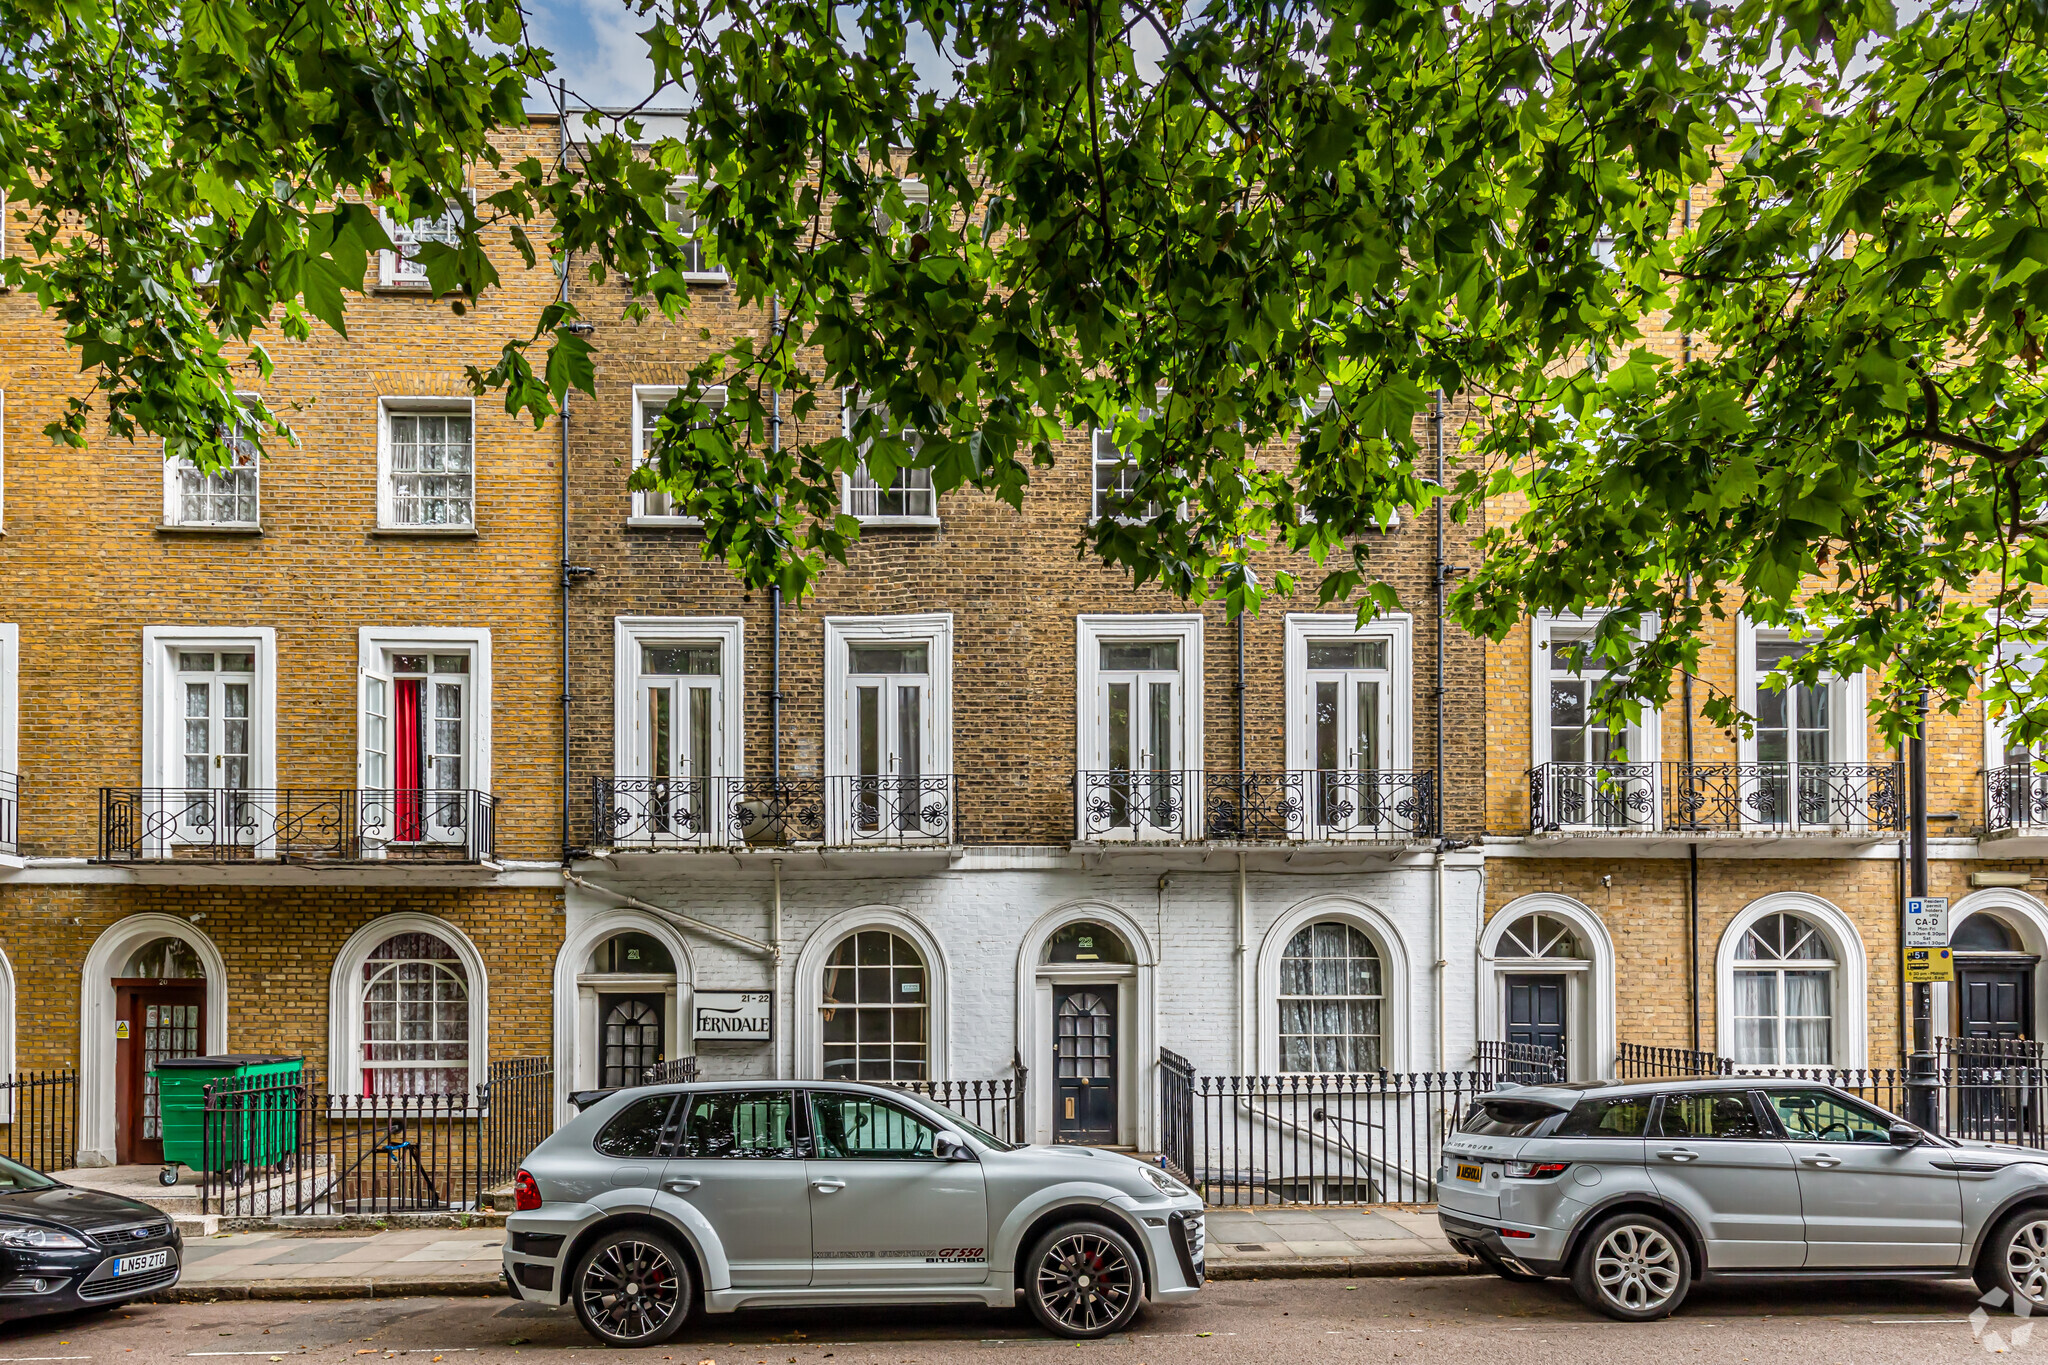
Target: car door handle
[(680, 1186), (1679, 1154), (1822, 1159), (828, 1186)]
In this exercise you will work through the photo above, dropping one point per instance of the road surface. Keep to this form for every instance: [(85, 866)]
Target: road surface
[(1469, 1321)]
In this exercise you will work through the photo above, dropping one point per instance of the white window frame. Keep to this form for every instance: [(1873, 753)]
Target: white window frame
[(374, 644), (1090, 631), (389, 274), (345, 997), (1395, 977), (849, 404), (659, 396), (1645, 736), (934, 630), (162, 766), (3, 413), (1848, 730), (809, 1027), (716, 274), (7, 997), (729, 633), (389, 405), (1096, 438), (1396, 630), (1849, 1034), (1994, 726), (10, 697), (174, 472)]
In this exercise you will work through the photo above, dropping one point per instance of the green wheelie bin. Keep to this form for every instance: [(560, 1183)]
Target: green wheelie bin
[(260, 1130)]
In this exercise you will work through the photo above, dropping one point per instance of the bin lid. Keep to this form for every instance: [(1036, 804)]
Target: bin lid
[(220, 1060)]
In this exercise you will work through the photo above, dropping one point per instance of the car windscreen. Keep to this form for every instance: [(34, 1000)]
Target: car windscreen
[(974, 1130), (15, 1178), (1509, 1118)]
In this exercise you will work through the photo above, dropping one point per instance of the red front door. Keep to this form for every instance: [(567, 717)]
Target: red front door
[(153, 1020)]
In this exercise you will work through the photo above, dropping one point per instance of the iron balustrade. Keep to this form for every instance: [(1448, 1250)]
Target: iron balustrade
[(39, 1119), (1730, 798), (1363, 806), (1884, 1087), (1177, 1113), (347, 824), (292, 1147), (655, 813), (675, 1071), (994, 1106), (1992, 1088), (1526, 1063), (10, 815), (1637, 1062), (2015, 797)]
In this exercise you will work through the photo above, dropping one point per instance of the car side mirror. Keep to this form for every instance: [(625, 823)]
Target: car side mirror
[(948, 1146), (1904, 1135)]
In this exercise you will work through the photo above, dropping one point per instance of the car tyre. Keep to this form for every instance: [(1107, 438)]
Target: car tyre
[(1083, 1280), (1632, 1267), (632, 1288), (1492, 1261), (2016, 1259)]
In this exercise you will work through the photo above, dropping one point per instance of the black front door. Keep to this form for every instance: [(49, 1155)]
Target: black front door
[(1084, 1064), (1995, 1000), (1534, 1010), (629, 1029)]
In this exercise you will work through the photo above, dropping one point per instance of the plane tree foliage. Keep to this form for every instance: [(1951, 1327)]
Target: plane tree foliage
[(1256, 241)]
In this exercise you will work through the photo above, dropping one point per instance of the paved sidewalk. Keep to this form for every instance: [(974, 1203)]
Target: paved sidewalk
[(1243, 1244)]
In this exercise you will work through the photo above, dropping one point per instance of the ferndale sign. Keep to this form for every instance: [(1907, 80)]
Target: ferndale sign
[(735, 1016)]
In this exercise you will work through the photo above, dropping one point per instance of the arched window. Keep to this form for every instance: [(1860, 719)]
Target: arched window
[(1985, 933), (631, 952), (874, 1010), (1784, 988), (164, 959), (1540, 935), (1330, 995), (415, 1013), (1087, 941)]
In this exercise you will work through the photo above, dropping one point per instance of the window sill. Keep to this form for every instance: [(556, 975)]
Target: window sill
[(204, 528), (665, 523), (422, 290), (898, 523), (706, 277), (427, 532)]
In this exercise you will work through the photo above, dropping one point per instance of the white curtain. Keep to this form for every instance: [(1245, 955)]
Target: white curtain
[(1808, 1016), (1756, 1018)]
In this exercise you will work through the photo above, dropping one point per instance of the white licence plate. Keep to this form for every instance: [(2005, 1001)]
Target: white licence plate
[(147, 1261)]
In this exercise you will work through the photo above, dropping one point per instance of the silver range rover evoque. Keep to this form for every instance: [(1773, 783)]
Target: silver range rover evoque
[(660, 1201), (1639, 1190)]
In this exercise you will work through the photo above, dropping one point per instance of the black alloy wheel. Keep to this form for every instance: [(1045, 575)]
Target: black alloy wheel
[(1084, 1280), (632, 1288)]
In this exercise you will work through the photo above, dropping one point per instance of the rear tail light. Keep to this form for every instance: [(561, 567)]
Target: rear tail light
[(525, 1192), (1536, 1170)]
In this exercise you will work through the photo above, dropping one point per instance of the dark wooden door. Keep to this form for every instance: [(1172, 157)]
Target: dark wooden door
[(1996, 1001), (162, 1019), (1535, 1009), (629, 1037), (1084, 1064)]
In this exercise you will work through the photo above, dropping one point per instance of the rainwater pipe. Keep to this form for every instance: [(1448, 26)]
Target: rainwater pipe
[(1439, 962), (675, 917), (1245, 1047)]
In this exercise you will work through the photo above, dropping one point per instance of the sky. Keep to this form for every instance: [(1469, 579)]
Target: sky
[(597, 48)]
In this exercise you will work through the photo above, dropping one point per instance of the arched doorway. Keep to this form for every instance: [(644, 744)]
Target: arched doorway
[(1997, 952), (1547, 978), (1085, 1028), (627, 992), (154, 986)]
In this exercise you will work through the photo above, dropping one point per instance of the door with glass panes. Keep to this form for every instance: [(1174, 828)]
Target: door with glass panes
[(1587, 779), (216, 692), (678, 731), (886, 793), (1136, 789), (1350, 706), (416, 760), (1792, 783)]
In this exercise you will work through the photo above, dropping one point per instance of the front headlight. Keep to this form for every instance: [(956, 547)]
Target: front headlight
[(40, 1238), (1163, 1182)]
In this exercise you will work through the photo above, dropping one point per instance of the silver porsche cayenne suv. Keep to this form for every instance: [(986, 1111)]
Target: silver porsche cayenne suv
[(1640, 1190), (660, 1201)]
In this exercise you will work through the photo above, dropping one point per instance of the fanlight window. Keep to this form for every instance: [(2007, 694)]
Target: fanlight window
[(415, 1018), (1784, 994), (1982, 933), (1330, 999), (1540, 936), (874, 1008)]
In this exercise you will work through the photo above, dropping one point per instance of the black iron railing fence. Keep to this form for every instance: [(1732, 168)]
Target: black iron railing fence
[(1360, 1138), (10, 815), (39, 1119), (295, 1147), (995, 1106), (1526, 1063), (1993, 1089), (180, 824), (1735, 798), (675, 1071), (720, 812), (2015, 797), (1375, 806)]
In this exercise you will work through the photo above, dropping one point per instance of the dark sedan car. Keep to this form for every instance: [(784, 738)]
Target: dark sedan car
[(64, 1249)]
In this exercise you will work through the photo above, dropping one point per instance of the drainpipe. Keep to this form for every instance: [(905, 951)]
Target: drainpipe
[(782, 1046), (1439, 963), (1247, 1060), (1240, 716), (675, 917), (1692, 850), (775, 592), (568, 264)]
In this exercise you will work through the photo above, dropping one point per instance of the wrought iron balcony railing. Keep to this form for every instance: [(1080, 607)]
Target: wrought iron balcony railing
[(765, 811), (2015, 798), (1171, 806), (10, 815), (347, 824), (1732, 798)]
